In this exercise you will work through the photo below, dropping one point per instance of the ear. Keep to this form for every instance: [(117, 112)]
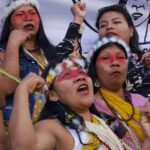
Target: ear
[(53, 96)]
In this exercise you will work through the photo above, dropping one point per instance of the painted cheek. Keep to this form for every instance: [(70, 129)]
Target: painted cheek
[(35, 18), (17, 18)]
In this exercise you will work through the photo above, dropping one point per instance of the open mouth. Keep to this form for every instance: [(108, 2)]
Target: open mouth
[(110, 34), (29, 27), (83, 89), (136, 15)]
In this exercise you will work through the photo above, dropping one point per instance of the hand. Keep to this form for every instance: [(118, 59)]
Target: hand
[(146, 59), (79, 12), (32, 82), (18, 37), (145, 119)]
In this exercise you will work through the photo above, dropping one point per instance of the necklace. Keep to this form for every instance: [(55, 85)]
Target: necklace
[(115, 112), (124, 121), (106, 135), (41, 60)]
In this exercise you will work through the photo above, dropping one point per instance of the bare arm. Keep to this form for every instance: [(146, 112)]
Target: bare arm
[(10, 60), (22, 133), (3, 136)]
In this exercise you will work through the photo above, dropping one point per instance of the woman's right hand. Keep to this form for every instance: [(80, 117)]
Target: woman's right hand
[(145, 119), (18, 37), (32, 82)]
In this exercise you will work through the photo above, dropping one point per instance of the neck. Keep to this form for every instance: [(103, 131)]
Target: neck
[(118, 91), (30, 44), (86, 115)]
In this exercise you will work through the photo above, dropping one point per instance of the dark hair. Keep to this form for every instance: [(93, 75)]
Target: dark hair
[(41, 41), (61, 111), (92, 66), (51, 108), (121, 8)]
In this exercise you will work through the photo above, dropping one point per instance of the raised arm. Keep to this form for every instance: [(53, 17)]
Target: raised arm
[(69, 43), (22, 133), (10, 57)]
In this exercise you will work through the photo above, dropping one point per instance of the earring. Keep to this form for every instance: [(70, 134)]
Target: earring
[(96, 84)]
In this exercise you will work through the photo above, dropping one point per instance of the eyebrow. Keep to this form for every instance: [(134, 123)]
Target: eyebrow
[(112, 19)]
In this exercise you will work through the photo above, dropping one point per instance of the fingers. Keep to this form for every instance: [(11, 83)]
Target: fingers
[(40, 83), (82, 6), (145, 56), (145, 112)]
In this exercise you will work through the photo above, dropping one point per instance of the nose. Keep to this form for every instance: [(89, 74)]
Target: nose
[(115, 63), (109, 25), (79, 78), (28, 16)]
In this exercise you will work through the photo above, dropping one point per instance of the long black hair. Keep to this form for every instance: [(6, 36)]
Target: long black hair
[(121, 8), (92, 72), (41, 40), (55, 109), (61, 111)]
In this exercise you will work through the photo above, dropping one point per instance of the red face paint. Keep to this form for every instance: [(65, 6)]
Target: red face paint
[(70, 74), (22, 15), (109, 58)]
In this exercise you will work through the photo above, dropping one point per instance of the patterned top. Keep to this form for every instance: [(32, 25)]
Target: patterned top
[(138, 77), (137, 101)]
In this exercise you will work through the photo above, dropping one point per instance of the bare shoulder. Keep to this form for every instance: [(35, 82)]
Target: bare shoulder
[(54, 134)]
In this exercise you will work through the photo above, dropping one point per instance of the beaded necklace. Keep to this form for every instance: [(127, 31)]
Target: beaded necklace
[(124, 121), (109, 141)]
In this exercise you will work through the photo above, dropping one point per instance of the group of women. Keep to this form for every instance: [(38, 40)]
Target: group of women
[(86, 104)]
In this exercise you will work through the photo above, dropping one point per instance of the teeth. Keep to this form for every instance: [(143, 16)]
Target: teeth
[(83, 87), (29, 27)]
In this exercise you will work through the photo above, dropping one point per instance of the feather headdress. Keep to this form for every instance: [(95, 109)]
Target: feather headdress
[(14, 4)]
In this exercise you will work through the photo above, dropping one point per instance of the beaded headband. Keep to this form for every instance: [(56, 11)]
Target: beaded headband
[(65, 64), (14, 4), (106, 40)]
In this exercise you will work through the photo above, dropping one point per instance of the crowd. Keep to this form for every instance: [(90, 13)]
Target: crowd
[(53, 97)]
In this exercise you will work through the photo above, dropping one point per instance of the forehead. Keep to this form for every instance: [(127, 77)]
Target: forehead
[(110, 15), (112, 49), (71, 68), (24, 8)]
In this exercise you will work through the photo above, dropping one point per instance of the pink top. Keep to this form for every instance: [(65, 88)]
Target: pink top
[(137, 100)]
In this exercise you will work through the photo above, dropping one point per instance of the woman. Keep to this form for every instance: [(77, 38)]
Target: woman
[(25, 47), (66, 121), (108, 70), (116, 21)]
